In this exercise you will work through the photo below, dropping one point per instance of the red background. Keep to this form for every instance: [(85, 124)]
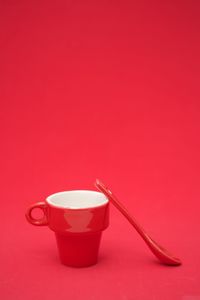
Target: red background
[(106, 89)]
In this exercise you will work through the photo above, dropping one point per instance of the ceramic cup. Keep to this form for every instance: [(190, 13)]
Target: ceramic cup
[(78, 218)]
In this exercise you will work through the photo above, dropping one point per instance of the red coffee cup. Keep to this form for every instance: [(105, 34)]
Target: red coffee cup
[(78, 218)]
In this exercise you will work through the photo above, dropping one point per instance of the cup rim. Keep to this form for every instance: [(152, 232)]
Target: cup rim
[(104, 201)]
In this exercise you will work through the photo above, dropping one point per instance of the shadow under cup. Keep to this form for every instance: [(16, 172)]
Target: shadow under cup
[(78, 219)]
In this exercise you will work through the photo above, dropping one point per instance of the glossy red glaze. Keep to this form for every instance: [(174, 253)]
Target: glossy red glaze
[(78, 220), (78, 231), (79, 250)]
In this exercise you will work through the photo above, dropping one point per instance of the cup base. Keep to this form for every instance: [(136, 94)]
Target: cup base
[(78, 250)]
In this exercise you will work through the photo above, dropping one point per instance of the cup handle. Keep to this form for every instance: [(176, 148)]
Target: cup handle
[(38, 222)]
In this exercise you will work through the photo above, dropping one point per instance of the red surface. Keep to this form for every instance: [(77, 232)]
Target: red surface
[(106, 89)]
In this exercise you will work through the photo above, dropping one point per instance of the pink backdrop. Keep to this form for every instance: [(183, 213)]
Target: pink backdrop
[(106, 89)]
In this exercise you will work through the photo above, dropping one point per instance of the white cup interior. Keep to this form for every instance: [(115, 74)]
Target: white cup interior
[(77, 199)]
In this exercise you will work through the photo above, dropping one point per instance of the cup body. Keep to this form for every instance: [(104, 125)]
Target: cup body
[(78, 219), (78, 250)]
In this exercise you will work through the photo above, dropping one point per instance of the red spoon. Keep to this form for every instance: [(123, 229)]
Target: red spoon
[(162, 254)]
